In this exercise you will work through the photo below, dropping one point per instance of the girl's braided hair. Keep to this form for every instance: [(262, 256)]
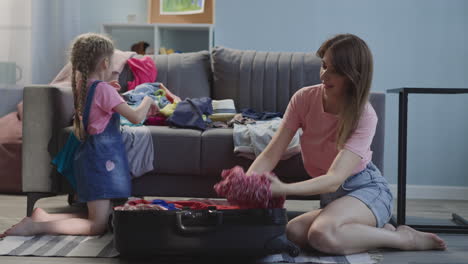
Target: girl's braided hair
[(88, 50)]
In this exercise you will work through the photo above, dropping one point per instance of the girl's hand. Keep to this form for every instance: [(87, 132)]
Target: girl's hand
[(115, 84), (277, 187), (153, 110)]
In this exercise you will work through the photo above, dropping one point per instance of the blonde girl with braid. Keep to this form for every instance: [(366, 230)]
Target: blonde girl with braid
[(100, 163)]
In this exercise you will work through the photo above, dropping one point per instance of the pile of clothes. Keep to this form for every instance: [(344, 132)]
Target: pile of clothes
[(164, 205)]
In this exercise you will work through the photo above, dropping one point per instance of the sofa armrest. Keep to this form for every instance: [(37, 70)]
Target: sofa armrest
[(47, 110)]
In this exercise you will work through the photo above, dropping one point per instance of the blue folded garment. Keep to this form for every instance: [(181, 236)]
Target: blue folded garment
[(250, 113), (164, 204)]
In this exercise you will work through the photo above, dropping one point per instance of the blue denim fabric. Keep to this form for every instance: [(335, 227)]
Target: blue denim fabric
[(371, 188), (100, 163)]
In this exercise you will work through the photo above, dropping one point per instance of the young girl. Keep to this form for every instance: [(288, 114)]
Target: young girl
[(100, 163), (338, 127)]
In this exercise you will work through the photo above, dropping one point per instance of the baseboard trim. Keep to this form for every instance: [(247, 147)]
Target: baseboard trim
[(433, 192)]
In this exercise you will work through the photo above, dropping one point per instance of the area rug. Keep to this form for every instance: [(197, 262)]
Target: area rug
[(102, 247)]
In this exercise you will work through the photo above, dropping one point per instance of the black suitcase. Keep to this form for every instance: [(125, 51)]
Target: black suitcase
[(242, 232)]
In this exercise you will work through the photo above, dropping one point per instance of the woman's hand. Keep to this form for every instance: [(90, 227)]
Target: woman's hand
[(277, 187), (115, 84)]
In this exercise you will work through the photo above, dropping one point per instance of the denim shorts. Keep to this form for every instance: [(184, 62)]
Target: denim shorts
[(371, 188)]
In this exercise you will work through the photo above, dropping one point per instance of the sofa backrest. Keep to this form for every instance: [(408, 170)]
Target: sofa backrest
[(377, 100), (187, 75), (264, 81)]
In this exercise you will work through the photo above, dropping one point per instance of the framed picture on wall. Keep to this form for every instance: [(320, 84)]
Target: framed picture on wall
[(181, 7), (181, 11)]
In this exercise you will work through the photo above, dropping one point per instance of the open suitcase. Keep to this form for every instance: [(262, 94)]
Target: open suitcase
[(240, 232)]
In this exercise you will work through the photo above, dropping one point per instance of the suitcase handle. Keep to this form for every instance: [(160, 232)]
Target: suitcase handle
[(198, 229)]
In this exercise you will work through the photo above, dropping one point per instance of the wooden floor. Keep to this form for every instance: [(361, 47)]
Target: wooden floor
[(13, 208)]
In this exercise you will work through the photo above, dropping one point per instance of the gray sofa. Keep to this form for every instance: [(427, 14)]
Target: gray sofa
[(187, 162)]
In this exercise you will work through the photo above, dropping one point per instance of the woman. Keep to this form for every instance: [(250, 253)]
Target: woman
[(338, 126)]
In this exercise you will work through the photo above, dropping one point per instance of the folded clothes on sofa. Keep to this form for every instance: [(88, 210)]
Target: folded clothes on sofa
[(252, 138), (223, 110), (152, 90), (134, 98)]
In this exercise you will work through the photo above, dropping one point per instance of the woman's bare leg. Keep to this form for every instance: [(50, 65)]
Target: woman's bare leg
[(347, 226), (297, 228)]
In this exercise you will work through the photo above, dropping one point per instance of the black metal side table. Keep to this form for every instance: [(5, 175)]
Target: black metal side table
[(460, 224)]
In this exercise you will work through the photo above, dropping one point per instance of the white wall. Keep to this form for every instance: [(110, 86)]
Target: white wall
[(95, 13), (15, 32)]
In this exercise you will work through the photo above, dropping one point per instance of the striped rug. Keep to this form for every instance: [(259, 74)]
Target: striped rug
[(102, 247), (59, 246)]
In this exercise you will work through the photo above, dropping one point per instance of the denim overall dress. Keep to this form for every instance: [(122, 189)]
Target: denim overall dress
[(100, 163)]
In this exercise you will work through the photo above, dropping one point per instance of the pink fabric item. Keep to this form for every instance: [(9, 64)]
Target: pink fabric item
[(11, 134), (318, 140), (63, 78), (156, 121), (144, 71), (247, 191), (10, 168), (11, 129), (105, 99)]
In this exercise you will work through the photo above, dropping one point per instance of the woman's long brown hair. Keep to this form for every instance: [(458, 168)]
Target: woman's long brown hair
[(352, 58)]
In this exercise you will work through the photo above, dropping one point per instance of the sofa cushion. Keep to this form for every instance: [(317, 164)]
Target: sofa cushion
[(177, 151), (185, 74), (264, 81), (217, 154)]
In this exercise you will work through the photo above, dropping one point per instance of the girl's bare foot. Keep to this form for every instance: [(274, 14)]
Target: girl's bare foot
[(389, 227), (23, 228), (39, 215), (416, 240)]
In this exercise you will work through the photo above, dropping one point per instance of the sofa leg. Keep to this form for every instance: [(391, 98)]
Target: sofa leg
[(32, 198)]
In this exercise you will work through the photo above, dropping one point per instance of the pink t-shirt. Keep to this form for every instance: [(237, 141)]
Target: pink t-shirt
[(105, 99), (318, 141)]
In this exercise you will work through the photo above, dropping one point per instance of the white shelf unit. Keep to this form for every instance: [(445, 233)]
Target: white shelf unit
[(179, 37)]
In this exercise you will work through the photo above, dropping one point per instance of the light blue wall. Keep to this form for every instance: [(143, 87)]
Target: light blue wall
[(418, 43), (94, 13), (55, 23)]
